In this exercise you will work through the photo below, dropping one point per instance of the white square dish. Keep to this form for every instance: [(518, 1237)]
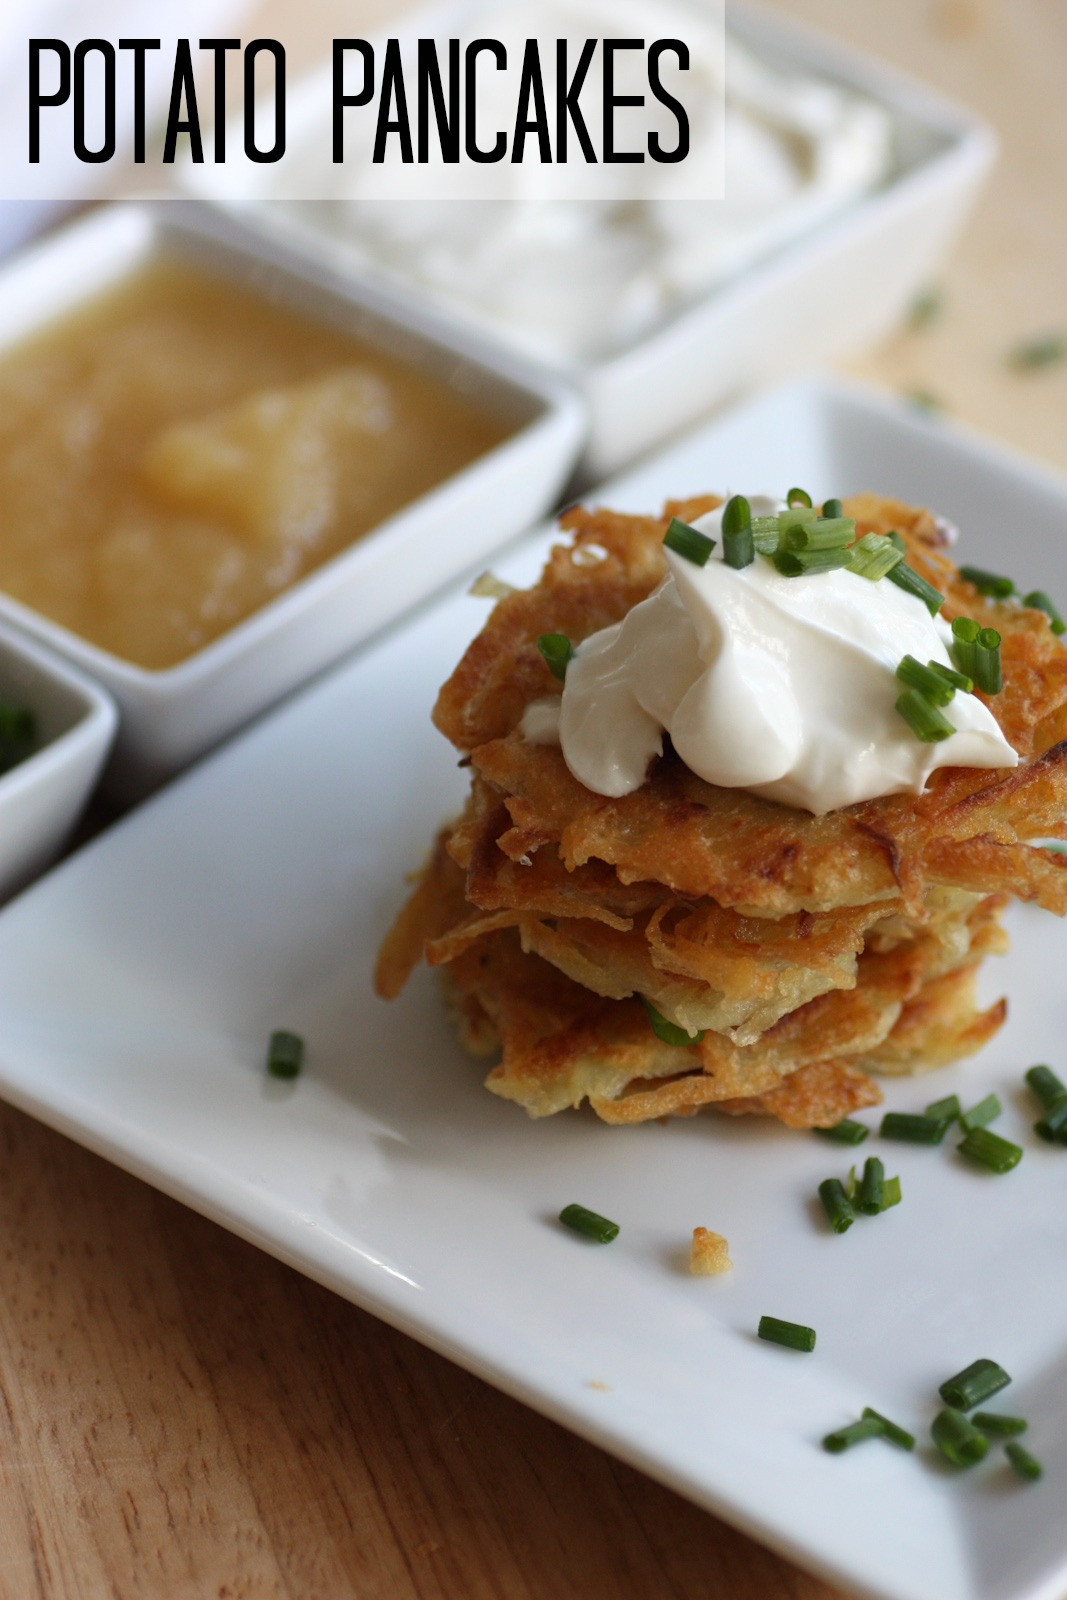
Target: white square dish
[(252, 895), (42, 798), (170, 717), (824, 294)]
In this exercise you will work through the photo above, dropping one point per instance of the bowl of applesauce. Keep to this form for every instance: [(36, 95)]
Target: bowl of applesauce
[(222, 467)]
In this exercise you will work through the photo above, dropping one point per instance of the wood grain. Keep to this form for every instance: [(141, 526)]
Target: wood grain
[(182, 1417)]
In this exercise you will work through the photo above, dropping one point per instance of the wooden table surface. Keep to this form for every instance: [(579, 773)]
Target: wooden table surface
[(181, 1416)]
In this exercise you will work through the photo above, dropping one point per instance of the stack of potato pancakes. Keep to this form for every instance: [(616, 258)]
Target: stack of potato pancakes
[(800, 952)]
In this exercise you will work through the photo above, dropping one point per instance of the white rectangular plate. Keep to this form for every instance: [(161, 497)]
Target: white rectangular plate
[(139, 983)]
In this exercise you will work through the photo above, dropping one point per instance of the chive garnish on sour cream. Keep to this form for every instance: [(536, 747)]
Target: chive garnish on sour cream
[(738, 545), (911, 582), (688, 542), (925, 720)]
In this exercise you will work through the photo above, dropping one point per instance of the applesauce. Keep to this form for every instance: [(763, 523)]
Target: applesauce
[(180, 450)]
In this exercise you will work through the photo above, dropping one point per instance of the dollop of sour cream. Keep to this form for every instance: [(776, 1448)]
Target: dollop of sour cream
[(782, 686)]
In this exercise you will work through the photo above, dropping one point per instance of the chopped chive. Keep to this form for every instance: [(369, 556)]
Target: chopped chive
[(738, 545), (987, 673), (806, 563), (974, 1384), (957, 1439), (798, 497), (1045, 1084), (991, 584), (994, 1422), (589, 1223), (925, 721), (911, 1128), (793, 518), (688, 542), (890, 1430), (846, 1132), (1038, 600), (958, 680), (1052, 1127), (909, 580), (890, 1193), (836, 1204), (965, 633), (832, 534), (670, 1032), (990, 1150), (1044, 351), (791, 1334), (1026, 1465), (832, 509), (981, 1115), (946, 1110), (285, 1054), (925, 308), (897, 541), (872, 1188), (765, 535), (873, 557), (557, 653), (930, 685), (855, 1433)]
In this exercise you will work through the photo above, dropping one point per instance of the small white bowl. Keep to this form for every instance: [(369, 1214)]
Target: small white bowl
[(826, 294), (170, 717), (42, 798)]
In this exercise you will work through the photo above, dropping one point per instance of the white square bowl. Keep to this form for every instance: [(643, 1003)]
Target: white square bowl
[(168, 718), (42, 798), (817, 298)]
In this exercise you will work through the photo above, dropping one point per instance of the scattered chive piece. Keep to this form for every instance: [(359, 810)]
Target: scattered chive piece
[(957, 1439), (958, 680), (890, 1193), (832, 509), (975, 1383), (831, 533), (1026, 1465), (913, 1129), (946, 1110), (688, 542), (965, 633), (836, 1204), (925, 721), (669, 1032), (990, 584), (1043, 351), (872, 1188), (855, 1433), (993, 1422), (850, 1187), (929, 684), (846, 1132), (873, 557), (1045, 1084), (791, 1334), (1038, 600), (897, 541), (806, 563), (586, 1222), (925, 308), (981, 1115), (890, 1430), (1052, 1127), (908, 579), (765, 535), (990, 1150), (285, 1055), (987, 673), (556, 650), (738, 545), (798, 497)]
